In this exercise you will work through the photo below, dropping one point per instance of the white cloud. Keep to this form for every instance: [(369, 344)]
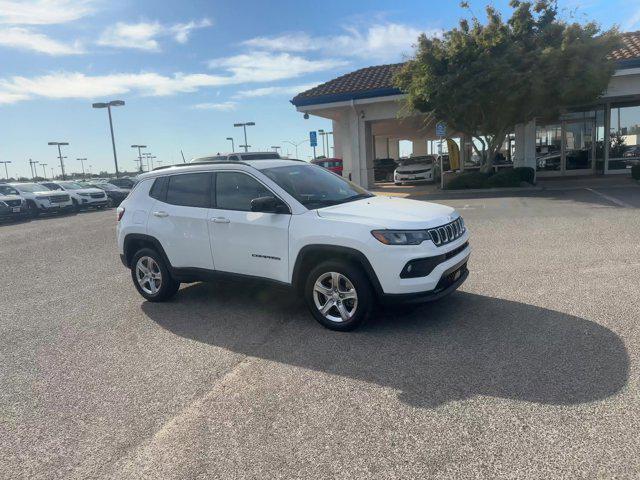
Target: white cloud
[(44, 12), (221, 107), (267, 67), (289, 42), (145, 35), (275, 90), (380, 42), (26, 39), (181, 31), (633, 23), (141, 36)]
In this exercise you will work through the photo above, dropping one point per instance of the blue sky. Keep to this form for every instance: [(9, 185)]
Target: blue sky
[(189, 69)]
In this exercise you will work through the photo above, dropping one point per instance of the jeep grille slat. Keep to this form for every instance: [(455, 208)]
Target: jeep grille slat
[(447, 233)]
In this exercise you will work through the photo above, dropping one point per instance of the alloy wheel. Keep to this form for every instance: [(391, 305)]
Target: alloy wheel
[(335, 297), (148, 275)]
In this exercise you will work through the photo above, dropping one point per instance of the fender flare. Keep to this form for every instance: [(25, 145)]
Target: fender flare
[(132, 238), (327, 251)]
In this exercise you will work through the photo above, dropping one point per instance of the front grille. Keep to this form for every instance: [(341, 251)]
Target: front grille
[(59, 198), (447, 233), (97, 195), (408, 172), (13, 203)]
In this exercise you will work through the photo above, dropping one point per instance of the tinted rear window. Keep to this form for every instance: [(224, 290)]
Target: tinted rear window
[(190, 190)]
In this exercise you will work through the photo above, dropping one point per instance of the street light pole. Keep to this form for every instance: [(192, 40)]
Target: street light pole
[(82, 160), (32, 165), (58, 144), (296, 145), (322, 134), (139, 147), (6, 170), (108, 105), (244, 127), (275, 148), (233, 147), (44, 170), (149, 158), (328, 149)]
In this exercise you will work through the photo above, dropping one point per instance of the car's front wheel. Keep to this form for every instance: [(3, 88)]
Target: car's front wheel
[(339, 295), (151, 276)]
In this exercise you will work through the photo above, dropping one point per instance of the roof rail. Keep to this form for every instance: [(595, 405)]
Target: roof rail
[(208, 162)]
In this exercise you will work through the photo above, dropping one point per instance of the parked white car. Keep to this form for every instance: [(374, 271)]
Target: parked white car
[(415, 169), (40, 199), (81, 196), (292, 223)]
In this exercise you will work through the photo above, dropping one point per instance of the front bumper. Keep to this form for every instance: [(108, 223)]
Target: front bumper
[(449, 282), (413, 177)]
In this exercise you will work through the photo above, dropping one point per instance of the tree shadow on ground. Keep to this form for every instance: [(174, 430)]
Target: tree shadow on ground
[(453, 349)]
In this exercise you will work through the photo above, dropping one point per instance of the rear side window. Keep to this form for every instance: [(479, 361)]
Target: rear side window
[(189, 190), (158, 188), (234, 191)]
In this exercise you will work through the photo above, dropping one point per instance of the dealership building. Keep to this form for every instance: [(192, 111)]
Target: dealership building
[(369, 122)]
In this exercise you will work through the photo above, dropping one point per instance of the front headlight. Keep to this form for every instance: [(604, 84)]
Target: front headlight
[(401, 237)]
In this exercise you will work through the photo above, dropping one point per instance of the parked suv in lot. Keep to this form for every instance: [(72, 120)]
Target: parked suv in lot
[(81, 196), (42, 200), (12, 205), (293, 223)]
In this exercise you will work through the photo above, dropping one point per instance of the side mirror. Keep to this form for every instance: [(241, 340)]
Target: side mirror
[(268, 205)]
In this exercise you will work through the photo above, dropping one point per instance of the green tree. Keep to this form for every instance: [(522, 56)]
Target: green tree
[(482, 79)]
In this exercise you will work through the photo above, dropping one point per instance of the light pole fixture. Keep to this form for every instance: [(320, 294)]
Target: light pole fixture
[(244, 126), (327, 137), (233, 147), (108, 105), (44, 170), (139, 147), (322, 134), (82, 160), (90, 172), (58, 144), (6, 170), (296, 145), (32, 166), (276, 148), (149, 158)]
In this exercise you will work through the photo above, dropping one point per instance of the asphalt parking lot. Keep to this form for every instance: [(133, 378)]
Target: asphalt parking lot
[(530, 371)]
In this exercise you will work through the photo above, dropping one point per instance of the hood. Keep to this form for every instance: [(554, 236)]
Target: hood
[(87, 190), (391, 213), (412, 167), (9, 197)]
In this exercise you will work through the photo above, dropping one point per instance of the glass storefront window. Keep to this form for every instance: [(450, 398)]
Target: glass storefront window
[(624, 137), (548, 147)]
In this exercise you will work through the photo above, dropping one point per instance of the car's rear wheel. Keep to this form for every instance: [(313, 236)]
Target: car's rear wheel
[(151, 276), (33, 210), (338, 295)]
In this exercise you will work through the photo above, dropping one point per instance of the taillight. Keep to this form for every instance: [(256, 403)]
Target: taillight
[(119, 213)]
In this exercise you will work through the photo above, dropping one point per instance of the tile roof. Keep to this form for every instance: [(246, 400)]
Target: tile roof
[(377, 81), (630, 49)]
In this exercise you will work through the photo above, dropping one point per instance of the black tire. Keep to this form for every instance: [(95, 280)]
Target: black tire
[(33, 211), (168, 286), (397, 183), (365, 297), (100, 207), (76, 205)]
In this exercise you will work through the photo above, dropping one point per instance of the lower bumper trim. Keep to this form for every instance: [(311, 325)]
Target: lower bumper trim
[(431, 295)]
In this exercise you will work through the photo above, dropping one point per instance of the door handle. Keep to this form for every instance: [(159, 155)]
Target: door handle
[(160, 214), (220, 220)]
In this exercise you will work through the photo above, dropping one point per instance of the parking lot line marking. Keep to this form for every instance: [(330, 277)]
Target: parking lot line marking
[(618, 202)]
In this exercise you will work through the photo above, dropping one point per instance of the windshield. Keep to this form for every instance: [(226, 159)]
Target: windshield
[(32, 187), (71, 185), (7, 190), (315, 187), (413, 160)]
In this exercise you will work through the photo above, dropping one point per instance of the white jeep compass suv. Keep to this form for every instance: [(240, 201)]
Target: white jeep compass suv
[(293, 223)]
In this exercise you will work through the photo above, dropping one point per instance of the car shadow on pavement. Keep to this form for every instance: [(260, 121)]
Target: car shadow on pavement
[(450, 350)]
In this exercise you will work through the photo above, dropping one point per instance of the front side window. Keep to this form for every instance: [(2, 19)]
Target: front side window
[(32, 187), (315, 187), (7, 190), (235, 190), (190, 190)]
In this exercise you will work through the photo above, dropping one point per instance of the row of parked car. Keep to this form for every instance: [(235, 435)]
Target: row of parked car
[(30, 199)]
